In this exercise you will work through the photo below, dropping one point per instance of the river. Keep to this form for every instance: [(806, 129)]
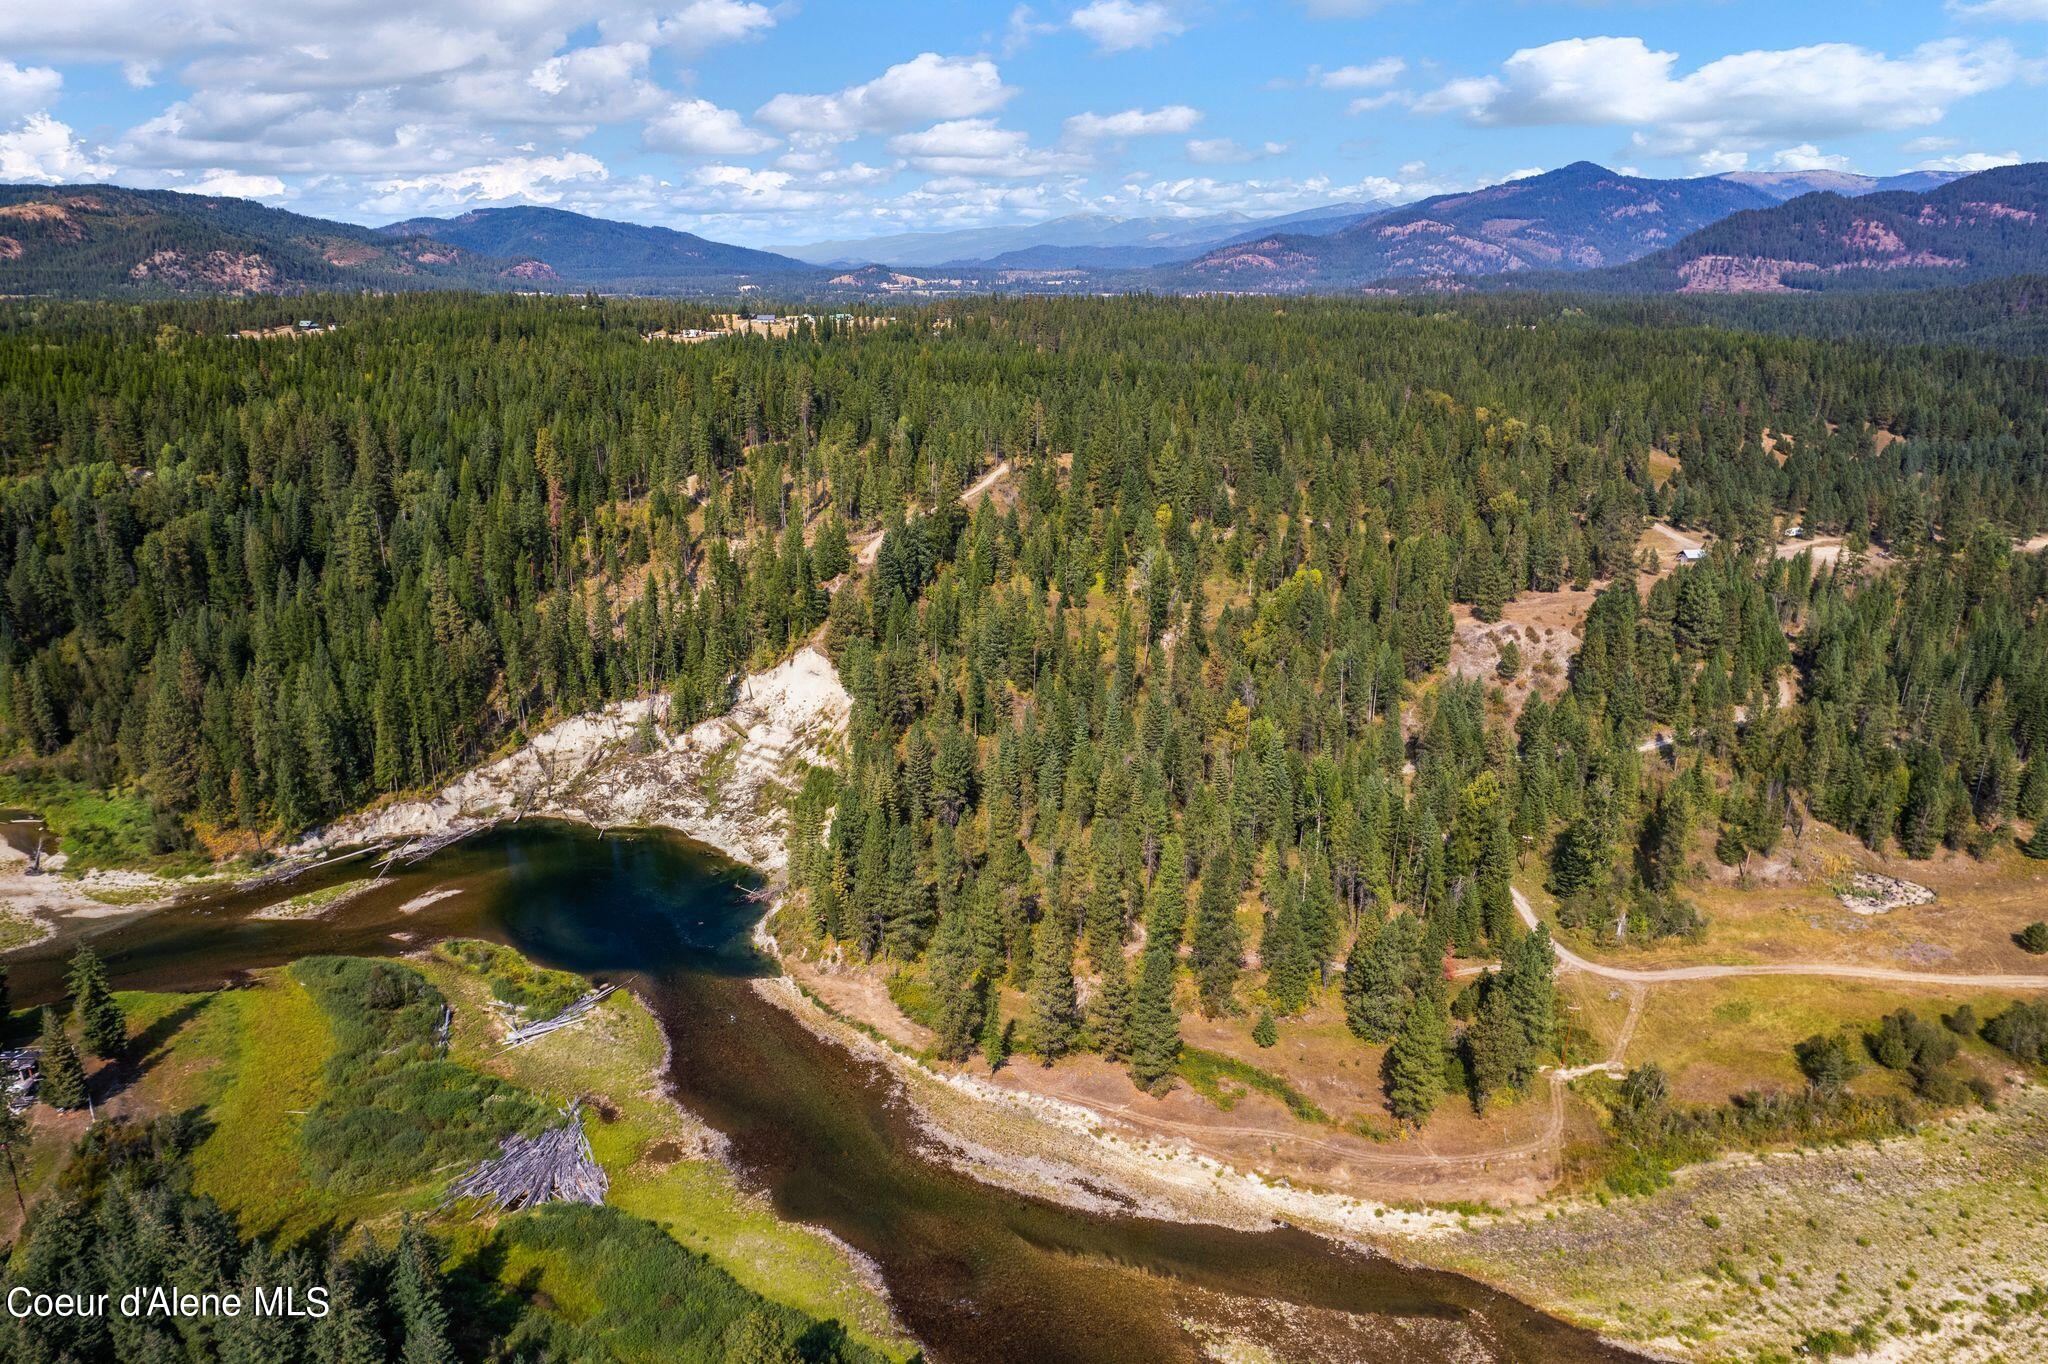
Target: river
[(977, 1273)]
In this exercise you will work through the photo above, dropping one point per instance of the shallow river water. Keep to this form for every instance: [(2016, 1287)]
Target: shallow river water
[(977, 1273)]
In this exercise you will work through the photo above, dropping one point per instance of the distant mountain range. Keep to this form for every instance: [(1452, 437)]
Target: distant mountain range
[(100, 239), (1983, 226), (604, 253), (1582, 227), (1088, 241), (1580, 217), (1792, 184)]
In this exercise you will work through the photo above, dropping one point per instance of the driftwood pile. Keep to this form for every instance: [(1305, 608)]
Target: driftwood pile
[(554, 1167), (292, 871), (522, 1035), (412, 850)]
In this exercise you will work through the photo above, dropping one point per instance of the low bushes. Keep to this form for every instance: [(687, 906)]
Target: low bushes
[(515, 982), (396, 1108), (1206, 1072), (642, 1297)]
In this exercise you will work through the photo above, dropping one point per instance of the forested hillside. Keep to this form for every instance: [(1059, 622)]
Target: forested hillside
[(1577, 217), (1190, 651), (2008, 315), (607, 254), (71, 240), (1982, 226)]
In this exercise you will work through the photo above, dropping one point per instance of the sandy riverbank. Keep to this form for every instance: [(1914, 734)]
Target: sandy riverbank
[(1075, 1156), (34, 907)]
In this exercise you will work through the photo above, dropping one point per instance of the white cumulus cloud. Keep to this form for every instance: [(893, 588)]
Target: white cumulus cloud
[(697, 127), (1368, 76), (696, 26), (26, 89), (925, 88), (527, 179), (1970, 162), (1122, 25), (977, 148), (1226, 151), (47, 152), (1174, 118), (1807, 157), (1828, 89), (236, 185)]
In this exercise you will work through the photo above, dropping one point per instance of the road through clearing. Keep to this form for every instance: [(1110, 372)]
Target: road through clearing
[(871, 547), (1572, 961)]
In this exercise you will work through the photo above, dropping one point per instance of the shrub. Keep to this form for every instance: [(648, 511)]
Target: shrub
[(396, 1108), (2021, 1032), (515, 982), (660, 1300), (2034, 937), (1905, 1041), (1827, 1061)]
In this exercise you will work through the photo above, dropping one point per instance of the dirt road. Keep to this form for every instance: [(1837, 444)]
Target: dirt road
[(871, 547), (1572, 961)]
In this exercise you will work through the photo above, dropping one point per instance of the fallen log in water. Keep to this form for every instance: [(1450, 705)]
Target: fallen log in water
[(520, 1036), (291, 871), (554, 1167), (412, 850)]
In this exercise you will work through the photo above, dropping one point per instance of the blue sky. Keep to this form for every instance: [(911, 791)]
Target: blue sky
[(765, 123)]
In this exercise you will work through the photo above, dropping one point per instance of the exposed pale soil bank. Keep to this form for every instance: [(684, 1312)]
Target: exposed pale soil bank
[(720, 782)]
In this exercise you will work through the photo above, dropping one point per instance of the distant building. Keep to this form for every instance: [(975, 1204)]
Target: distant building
[(1691, 556), (20, 1075)]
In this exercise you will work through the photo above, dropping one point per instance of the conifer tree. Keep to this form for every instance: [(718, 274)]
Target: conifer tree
[(348, 1333), (1109, 1013), (1155, 1023), (1415, 1063), (1495, 1047), (416, 1292), (1379, 979), (1530, 984), (959, 986), (1055, 1012), (1284, 952), (1216, 955), (1166, 908), (102, 1026), (1103, 916), (996, 1033), (63, 1077), (14, 1137)]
